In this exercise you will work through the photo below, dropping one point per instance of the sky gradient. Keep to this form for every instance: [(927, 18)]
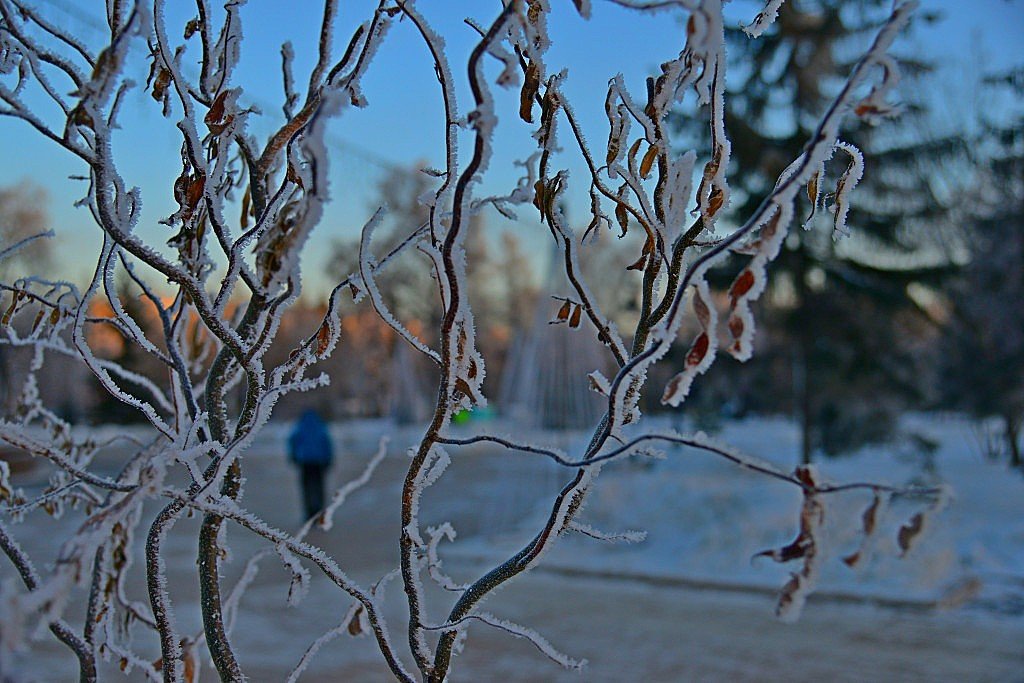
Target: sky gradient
[(403, 124)]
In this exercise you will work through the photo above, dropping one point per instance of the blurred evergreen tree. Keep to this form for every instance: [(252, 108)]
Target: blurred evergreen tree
[(984, 350), (839, 324)]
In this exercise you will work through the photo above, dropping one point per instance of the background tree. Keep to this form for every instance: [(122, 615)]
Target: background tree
[(22, 217), (984, 344), (840, 323)]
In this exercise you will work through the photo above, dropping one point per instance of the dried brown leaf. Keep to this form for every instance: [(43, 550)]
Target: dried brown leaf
[(622, 216), (909, 532), (528, 94), (160, 83), (715, 201), (577, 313), (216, 113), (639, 264), (246, 208), (462, 386), (648, 161), (812, 187), (354, 627), (323, 339)]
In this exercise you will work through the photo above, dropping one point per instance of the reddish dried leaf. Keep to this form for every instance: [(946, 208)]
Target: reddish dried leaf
[(671, 387), (216, 113), (736, 326), (563, 312), (865, 108), (195, 191), (698, 350), (741, 285), (577, 313), (700, 308), (806, 476), (293, 175)]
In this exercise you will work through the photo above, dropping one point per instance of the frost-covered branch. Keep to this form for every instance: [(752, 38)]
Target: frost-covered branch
[(216, 290)]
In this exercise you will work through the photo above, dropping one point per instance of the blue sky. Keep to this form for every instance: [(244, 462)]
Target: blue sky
[(403, 124)]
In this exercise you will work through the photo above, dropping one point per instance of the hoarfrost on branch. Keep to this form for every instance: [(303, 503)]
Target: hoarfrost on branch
[(217, 324)]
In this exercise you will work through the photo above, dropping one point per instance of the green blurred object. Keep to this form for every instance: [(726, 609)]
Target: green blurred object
[(462, 417)]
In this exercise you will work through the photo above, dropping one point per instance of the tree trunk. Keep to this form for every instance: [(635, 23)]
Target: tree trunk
[(804, 402), (1011, 429)]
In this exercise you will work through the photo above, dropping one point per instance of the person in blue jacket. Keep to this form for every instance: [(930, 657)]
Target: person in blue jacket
[(310, 448)]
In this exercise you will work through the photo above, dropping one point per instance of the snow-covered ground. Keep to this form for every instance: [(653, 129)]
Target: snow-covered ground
[(685, 604), (706, 519)]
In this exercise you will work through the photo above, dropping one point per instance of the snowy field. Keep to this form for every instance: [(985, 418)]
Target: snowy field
[(685, 604)]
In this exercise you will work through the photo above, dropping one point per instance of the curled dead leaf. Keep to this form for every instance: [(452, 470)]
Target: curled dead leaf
[(160, 83), (354, 627), (639, 264), (622, 216), (812, 187), (528, 94), (715, 201), (909, 532), (741, 285), (323, 339), (462, 386), (699, 349), (574, 321), (648, 161)]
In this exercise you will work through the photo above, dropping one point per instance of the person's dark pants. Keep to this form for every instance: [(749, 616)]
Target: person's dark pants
[(312, 476)]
